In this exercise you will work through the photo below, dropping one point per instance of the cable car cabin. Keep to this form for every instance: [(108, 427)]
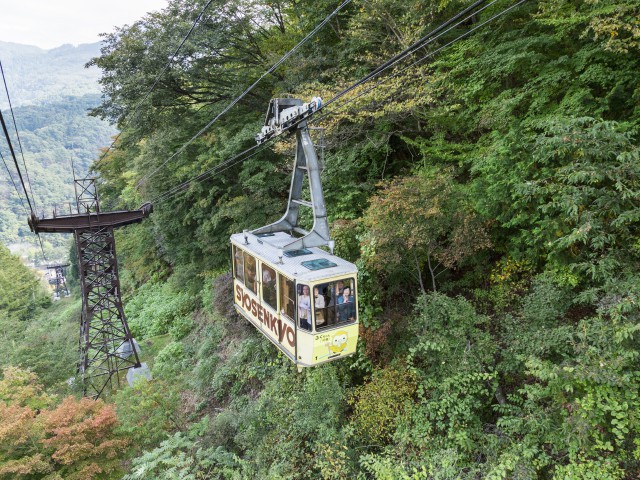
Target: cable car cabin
[(305, 301)]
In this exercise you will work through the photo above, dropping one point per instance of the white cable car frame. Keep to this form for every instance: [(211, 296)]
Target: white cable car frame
[(276, 311)]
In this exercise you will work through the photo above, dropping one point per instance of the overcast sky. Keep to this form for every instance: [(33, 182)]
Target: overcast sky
[(50, 23)]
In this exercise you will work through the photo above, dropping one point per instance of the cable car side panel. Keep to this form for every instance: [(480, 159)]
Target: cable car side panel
[(334, 344), (277, 328)]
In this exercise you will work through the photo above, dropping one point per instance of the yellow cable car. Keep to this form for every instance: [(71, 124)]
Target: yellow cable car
[(299, 296), (305, 301)]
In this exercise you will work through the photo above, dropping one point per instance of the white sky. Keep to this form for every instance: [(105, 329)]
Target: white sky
[(50, 23)]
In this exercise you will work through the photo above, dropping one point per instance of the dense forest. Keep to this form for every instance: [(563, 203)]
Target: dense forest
[(489, 195)]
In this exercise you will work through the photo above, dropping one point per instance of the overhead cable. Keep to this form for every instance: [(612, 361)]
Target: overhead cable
[(15, 160), (428, 38), (169, 193), (44, 257), (238, 158), (422, 59), (15, 126), (243, 94), (6, 133), (22, 202), (14, 185)]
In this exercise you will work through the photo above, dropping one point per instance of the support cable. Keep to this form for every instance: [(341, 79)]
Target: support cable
[(14, 185), (209, 174), (239, 157), (155, 83), (26, 212), (15, 126), (44, 257), (432, 36), (425, 40), (15, 160), (243, 94), (420, 60)]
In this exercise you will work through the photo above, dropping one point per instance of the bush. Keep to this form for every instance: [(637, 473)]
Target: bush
[(156, 308), (378, 404), (149, 411), (181, 327), (282, 431), (451, 357), (169, 360)]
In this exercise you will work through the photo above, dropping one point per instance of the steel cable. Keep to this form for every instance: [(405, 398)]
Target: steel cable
[(243, 94), (227, 163)]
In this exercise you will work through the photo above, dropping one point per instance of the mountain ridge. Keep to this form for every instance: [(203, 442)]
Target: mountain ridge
[(35, 75)]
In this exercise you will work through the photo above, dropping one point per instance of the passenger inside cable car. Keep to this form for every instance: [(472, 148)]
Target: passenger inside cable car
[(269, 286), (287, 300), (346, 306), (318, 303), (250, 272), (339, 308), (304, 308)]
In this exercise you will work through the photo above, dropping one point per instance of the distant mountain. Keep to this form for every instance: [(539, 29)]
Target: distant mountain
[(51, 92), (35, 75)]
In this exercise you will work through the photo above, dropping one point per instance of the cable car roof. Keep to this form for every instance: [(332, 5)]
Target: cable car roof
[(304, 267)]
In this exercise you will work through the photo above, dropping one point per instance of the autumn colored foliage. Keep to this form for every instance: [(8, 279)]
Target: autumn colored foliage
[(73, 439), (421, 223)]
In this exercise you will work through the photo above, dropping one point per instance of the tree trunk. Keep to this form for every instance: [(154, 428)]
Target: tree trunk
[(415, 257), (433, 276)]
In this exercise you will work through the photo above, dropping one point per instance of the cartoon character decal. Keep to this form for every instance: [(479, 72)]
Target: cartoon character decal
[(338, 342), (330, 345)]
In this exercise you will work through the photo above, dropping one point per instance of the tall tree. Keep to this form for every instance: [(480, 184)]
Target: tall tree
[(421, 223)]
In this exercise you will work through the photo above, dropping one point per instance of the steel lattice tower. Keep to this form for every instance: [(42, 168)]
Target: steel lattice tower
[(106, 345)]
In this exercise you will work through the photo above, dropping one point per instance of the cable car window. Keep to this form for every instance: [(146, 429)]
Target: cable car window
[(340, 300), (269, 295), (318, 264), (297, 253), (287, 298), (304, 307), (250, 272), (319, 307), (238, 263)]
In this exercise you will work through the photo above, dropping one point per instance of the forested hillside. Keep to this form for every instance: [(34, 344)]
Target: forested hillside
[(46, 433), (51, 92), (489, 195)]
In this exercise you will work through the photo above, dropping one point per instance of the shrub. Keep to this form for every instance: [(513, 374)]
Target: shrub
[(378, 403), (155, 308), (149, 411)]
